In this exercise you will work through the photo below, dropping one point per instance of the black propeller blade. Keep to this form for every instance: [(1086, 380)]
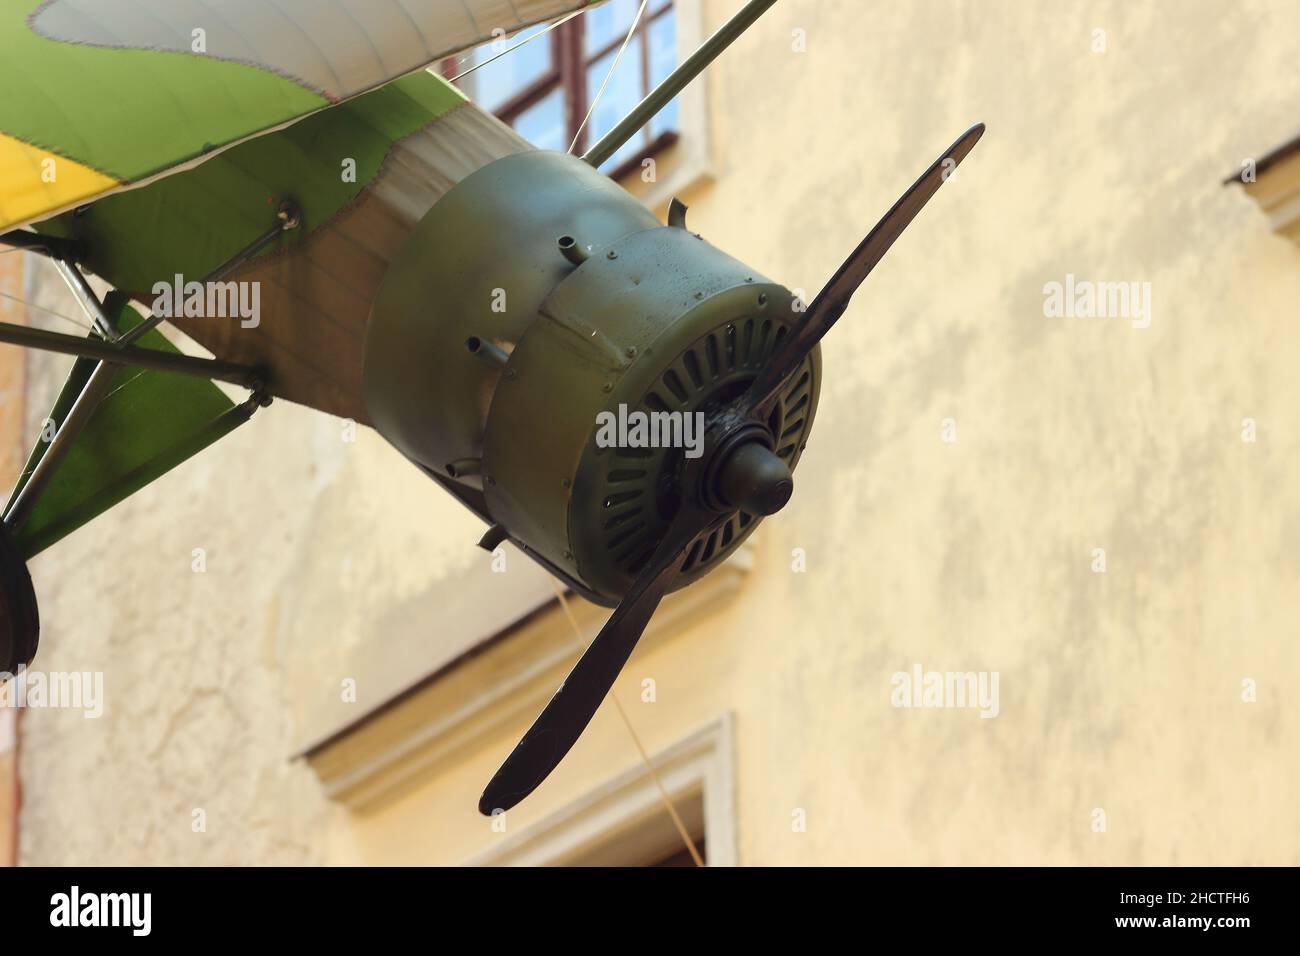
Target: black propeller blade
[(834, 298), (567, 714), (562, 722)]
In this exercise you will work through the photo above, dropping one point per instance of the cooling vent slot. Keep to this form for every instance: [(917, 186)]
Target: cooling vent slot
[(713, 371)]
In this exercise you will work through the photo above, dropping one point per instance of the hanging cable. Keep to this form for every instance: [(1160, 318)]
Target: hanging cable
[(636, 739), (528, 39), (84, 326), (636, 22)]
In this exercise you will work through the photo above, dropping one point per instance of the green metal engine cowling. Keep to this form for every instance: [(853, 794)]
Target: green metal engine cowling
[(632, 317), (479, 264)]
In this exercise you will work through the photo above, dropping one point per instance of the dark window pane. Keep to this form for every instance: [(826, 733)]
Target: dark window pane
[(542, 124), (497, 83), (663, 59), (623, 92), (608, 22)]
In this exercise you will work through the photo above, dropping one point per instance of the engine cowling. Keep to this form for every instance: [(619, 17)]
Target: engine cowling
[(545, 346)]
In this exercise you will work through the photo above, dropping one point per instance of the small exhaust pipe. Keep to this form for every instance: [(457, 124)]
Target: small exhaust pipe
[(464, 467), (486, 351), (570, 249)]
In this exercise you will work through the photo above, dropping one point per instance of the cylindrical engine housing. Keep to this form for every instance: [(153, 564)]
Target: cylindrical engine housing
[(478, 265), (629, 317)]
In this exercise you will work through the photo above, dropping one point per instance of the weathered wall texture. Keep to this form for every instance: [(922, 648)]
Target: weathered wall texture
[(1119, 691), (12, 391)]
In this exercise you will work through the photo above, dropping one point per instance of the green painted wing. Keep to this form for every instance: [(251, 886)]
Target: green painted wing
[(191, 222), (100, 94), (148, 423)]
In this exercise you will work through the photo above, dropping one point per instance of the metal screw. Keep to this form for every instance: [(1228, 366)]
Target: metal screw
[(611, 254), (607, 387)]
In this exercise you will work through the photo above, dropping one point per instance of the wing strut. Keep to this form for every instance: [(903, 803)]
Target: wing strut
[(673, 84), (110, 351)]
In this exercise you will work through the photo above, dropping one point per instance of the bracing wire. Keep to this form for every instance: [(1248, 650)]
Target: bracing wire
[(528, 39), (84, 326), (636, 739), (636, 22)]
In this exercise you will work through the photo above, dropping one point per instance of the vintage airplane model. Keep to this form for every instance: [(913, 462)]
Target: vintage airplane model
[(221, 156)]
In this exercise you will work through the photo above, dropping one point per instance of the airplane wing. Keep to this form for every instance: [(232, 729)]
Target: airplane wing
[(362, 174), (147, 423), (106, 95), (362, 156)]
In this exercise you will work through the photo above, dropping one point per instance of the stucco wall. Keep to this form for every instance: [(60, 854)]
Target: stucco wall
[(1119, 691)]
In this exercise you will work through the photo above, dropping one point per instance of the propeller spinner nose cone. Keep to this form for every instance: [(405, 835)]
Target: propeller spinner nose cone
[(755, 480)]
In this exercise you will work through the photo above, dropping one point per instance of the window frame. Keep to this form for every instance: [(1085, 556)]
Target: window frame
[(569, 66), (699, 767)]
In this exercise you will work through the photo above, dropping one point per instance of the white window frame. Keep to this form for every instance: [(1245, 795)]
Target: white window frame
[(700, 765)]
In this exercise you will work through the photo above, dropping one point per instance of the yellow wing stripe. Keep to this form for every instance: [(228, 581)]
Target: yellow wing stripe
[(34, 181)]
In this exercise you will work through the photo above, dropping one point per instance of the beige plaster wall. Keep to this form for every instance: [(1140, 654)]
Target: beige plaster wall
[(1119, 691)]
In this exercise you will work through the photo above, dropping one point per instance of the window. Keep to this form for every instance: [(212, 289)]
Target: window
[(622, 821), (545, 88)]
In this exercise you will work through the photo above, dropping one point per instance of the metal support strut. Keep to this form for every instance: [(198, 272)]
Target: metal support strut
[(114, 351), (673, 84)]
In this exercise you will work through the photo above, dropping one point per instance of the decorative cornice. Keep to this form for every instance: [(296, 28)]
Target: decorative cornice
[(500, 685), (1276, 188)]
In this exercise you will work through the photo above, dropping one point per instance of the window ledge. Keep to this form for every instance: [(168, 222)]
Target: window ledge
[(633, 166), (1277, 189), (681, 164)]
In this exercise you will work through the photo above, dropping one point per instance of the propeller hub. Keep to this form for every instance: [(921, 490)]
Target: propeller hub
[(745, 473), (754, 480)]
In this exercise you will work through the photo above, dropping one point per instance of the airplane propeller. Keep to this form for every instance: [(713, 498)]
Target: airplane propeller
[(741, 471)]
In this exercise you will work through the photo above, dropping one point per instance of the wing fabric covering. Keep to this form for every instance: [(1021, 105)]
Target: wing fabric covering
[(362, 174), (194, 220), (115, 92), (147, 424)]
